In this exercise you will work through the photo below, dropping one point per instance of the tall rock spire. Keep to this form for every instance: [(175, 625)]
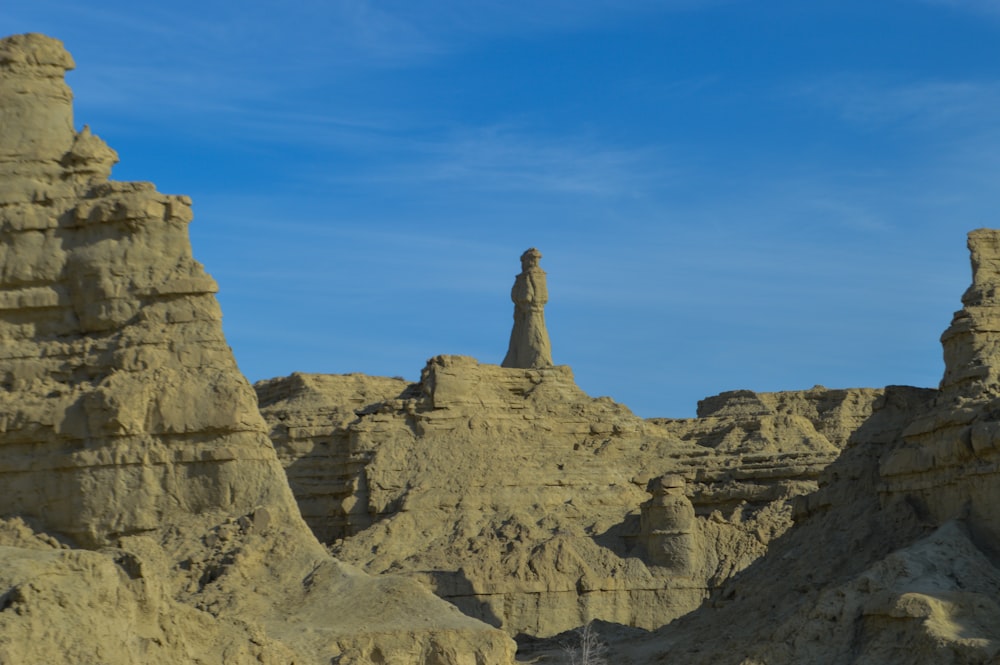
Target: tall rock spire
[(121, 406), (529, 340), (951, 451), (972, 342)]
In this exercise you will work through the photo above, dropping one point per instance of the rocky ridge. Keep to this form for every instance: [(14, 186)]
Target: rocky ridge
[(146, 517), (537, 508), (894, 559)]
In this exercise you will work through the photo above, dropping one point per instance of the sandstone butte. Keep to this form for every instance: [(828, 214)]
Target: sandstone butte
[(155, 510)]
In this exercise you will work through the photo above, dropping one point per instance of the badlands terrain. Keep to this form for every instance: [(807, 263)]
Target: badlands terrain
[(157, 508)]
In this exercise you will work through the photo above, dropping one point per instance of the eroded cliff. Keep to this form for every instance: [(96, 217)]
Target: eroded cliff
[(537, 508), (894, 558), (147, 518)]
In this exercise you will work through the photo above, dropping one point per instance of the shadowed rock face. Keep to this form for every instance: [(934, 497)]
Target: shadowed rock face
[(894, 558), (950, 460), (309, 416), (126, 428), (972, 342)]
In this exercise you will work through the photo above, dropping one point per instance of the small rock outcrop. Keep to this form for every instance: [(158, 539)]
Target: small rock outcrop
[(144, 515), (529, 339), (668, 529)]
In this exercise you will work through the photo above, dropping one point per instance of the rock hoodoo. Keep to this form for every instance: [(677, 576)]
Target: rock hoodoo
[(949, 462), (144, 515), (972, 342), (529, 339), (668, 528)]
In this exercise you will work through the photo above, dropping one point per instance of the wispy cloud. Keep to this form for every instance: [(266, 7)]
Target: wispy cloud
[(924, 105), (501, 159), (190, 55), (252, 34), (459, 19), (185, 53), (942, 139)]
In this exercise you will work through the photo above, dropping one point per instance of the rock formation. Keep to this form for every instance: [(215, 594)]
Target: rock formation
[(529, 340), (949, 460), (147, 518), (894, 558), (972, 342), (668, 529), (121, 401), (309, 415), (527, 503)]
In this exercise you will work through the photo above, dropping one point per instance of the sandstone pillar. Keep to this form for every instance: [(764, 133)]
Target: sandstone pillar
[(529, 340), (667, 526), (972, 342)]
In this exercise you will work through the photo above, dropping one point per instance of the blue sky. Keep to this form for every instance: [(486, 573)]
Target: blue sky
[(727, 194)]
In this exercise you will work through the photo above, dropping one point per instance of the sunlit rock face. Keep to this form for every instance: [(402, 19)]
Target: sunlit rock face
[(121, 404), (529, 338), (127, 429), (537, 508)]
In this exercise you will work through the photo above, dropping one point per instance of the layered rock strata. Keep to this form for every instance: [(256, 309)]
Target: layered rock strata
[(308, 416), (894, 558), (949, 463), (127, 429), (121, 402), (668, 530), (528, 504)]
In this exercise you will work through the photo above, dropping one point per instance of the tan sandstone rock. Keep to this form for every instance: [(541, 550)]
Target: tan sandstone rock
[(528, 504), (668, 529), (309, 415), (949, 463), (529, 339), (145, 516), (893, 559), (127, 429)]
